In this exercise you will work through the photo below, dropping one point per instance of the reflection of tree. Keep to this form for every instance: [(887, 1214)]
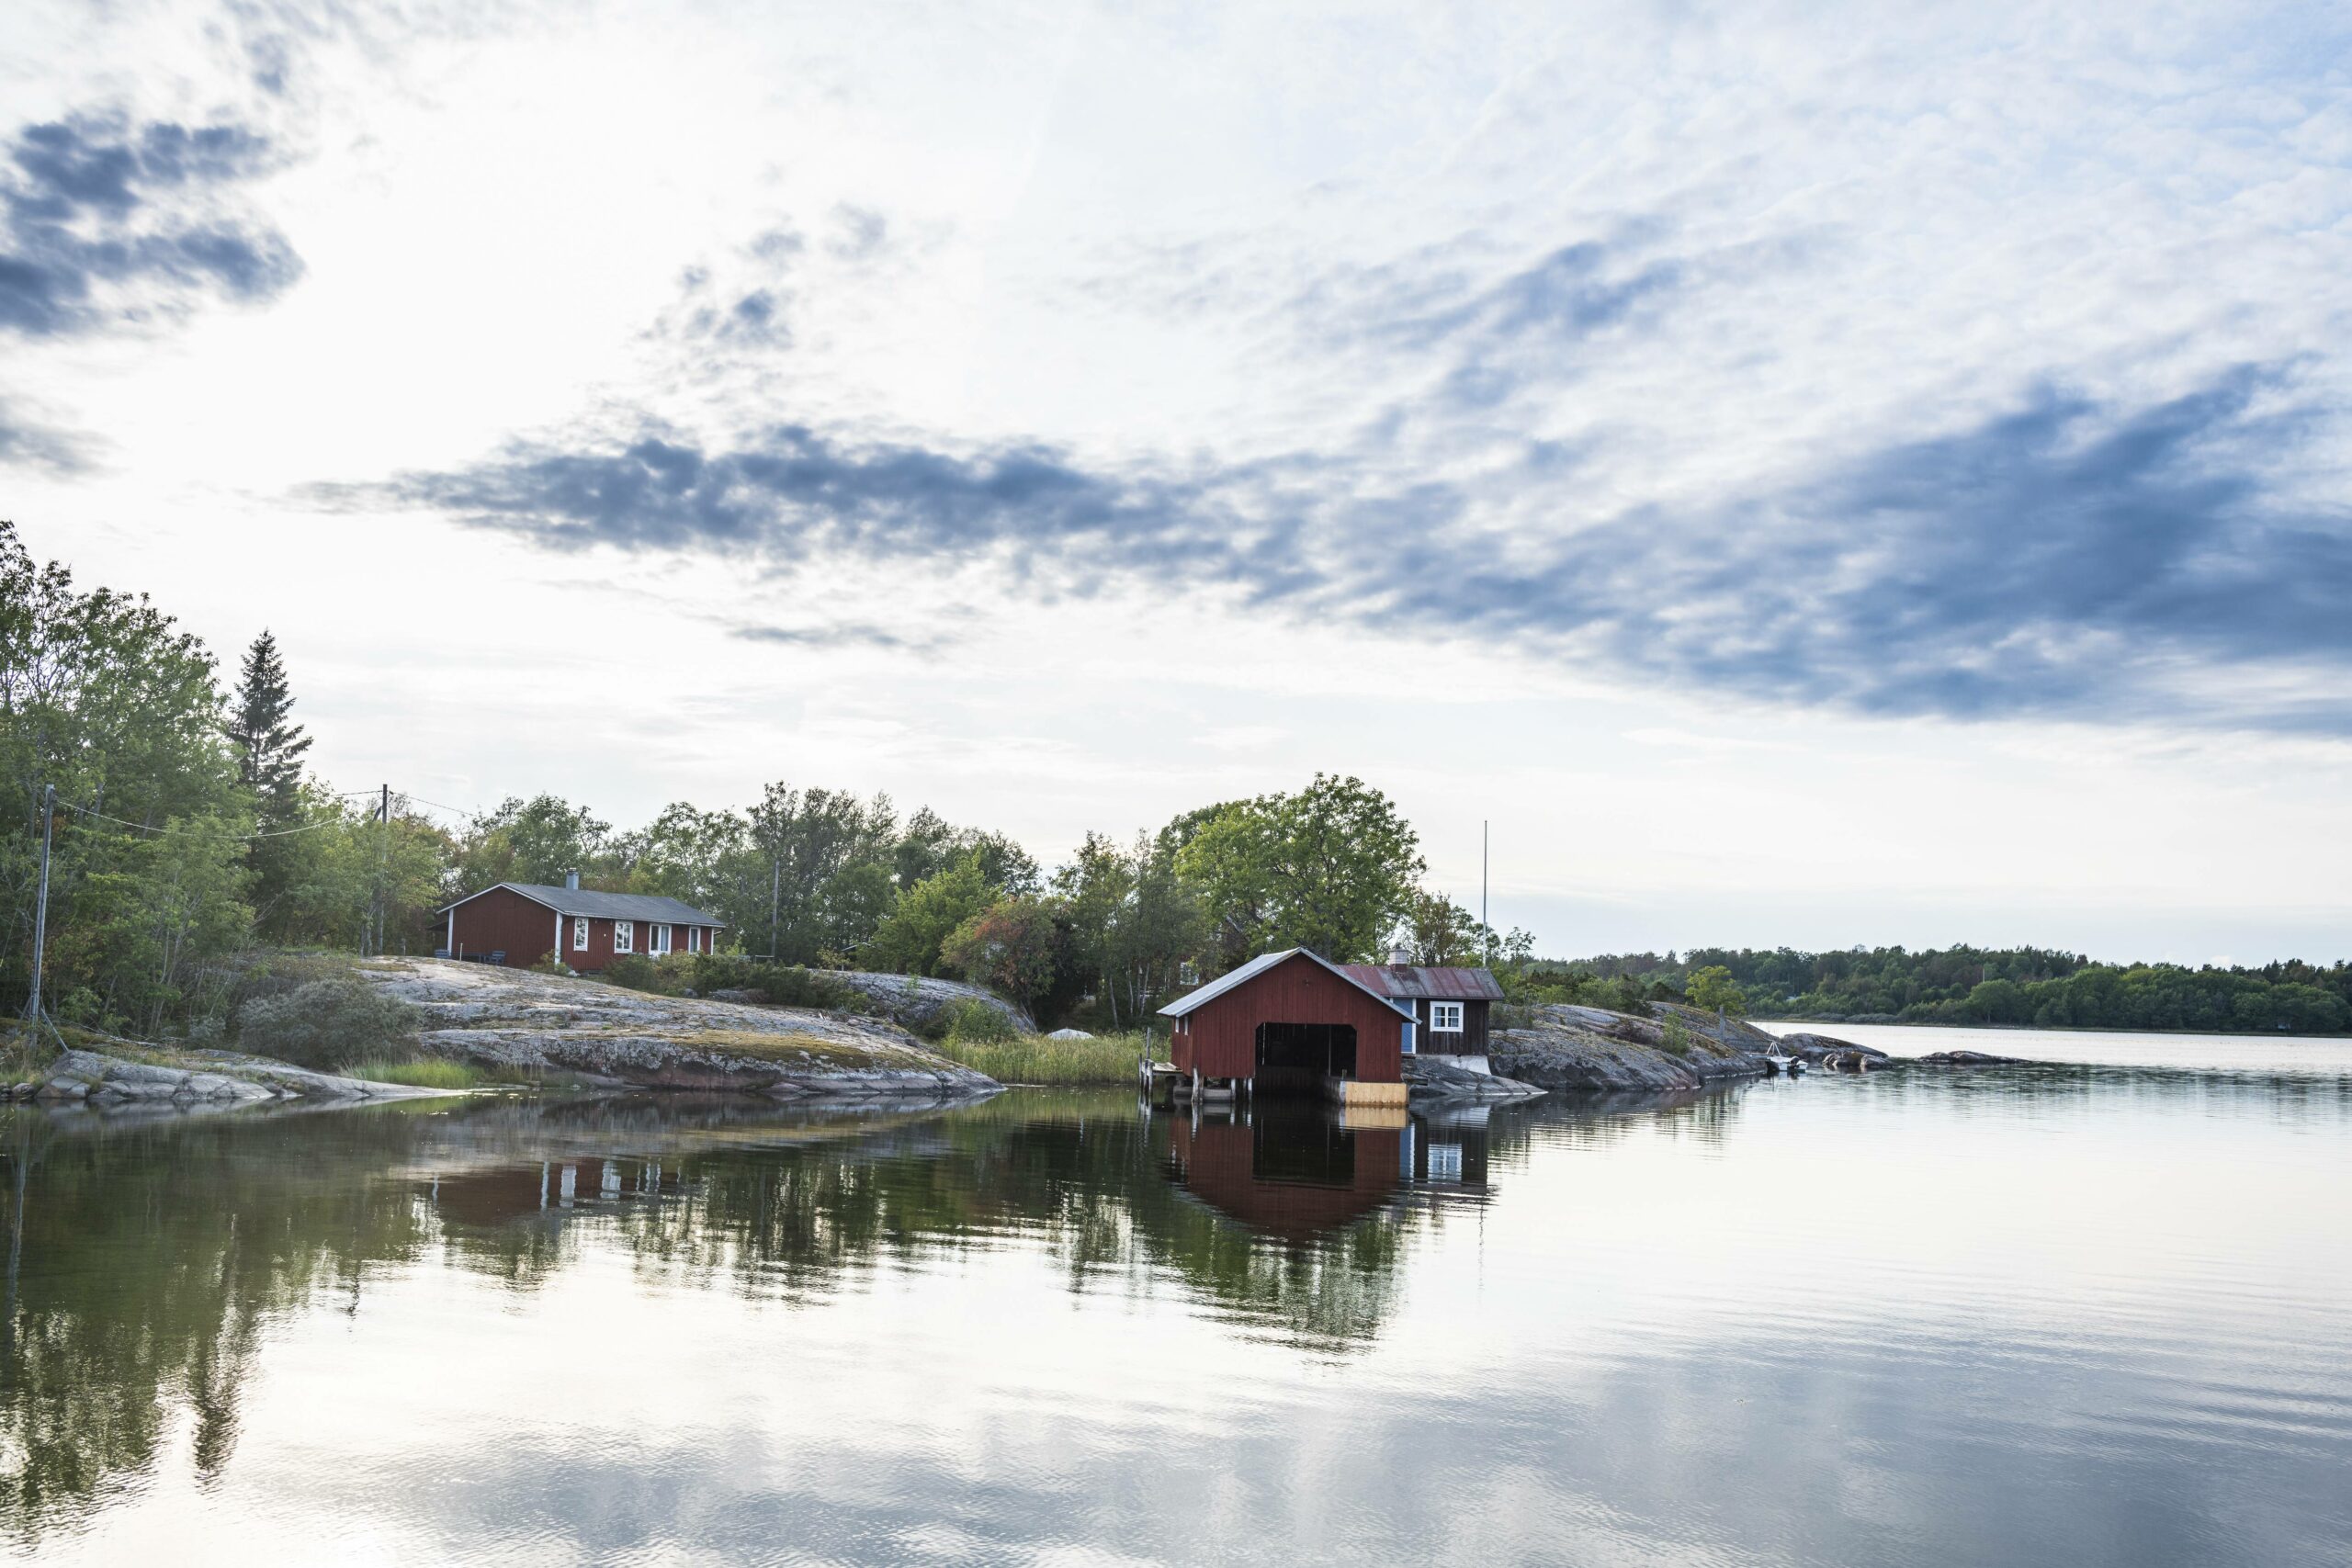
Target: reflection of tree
[(151, 1259), (154, 1257)]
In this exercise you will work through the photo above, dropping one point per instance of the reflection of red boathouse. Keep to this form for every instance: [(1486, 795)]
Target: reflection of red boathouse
[(1293, 1176)]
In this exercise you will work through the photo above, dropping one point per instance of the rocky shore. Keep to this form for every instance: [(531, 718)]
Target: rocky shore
[(1560, 1046), (134, 1075), (516, 1020)]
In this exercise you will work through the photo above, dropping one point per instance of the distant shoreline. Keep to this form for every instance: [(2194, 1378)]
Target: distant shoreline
[(1805, 1024)]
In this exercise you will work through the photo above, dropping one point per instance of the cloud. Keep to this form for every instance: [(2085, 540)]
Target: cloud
[(102, 222), (842, 634), (2066, 557), (27, 443)]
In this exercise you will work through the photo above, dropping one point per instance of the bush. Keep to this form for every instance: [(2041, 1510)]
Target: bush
[(1674, 1039), (635, 971), (328, 1024), (974, 1022)]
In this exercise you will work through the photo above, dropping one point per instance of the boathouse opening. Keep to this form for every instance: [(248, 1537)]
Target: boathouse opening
[(1303, 1055)]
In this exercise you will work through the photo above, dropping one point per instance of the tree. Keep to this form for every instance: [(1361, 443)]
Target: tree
[(925, 915), (1333, 868), (537, 841), (269, 744), (104, 698), (1011, 947), (1713, 987)]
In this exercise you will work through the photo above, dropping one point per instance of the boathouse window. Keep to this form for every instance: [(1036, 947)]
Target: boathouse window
[(624, 935), (1445, 1017), (579, 933)]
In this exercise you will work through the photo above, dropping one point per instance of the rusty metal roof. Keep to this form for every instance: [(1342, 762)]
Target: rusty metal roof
[(1417, 982)]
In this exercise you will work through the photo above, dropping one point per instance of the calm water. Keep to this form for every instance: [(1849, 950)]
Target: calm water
[(2042, 1316)]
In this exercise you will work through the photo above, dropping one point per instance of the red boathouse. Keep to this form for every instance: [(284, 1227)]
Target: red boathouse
[(1292, 1020), (520, 923)]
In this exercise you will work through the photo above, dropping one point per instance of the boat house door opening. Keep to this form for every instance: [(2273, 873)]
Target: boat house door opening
[(1302, 1055)]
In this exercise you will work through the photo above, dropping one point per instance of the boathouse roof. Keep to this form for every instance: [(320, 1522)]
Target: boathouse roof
[(1415, 982), (1258, 965)]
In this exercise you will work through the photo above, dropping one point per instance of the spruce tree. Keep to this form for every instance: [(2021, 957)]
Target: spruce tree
[(269, 745)]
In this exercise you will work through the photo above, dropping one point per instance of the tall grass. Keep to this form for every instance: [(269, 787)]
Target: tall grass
[(1033, 1059), (425, 1072)]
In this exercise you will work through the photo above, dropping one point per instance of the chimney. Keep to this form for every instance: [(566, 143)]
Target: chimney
[(1399, 958), (571, 881)]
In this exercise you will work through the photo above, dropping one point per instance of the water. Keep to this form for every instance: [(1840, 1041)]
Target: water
[(2043, 1315)]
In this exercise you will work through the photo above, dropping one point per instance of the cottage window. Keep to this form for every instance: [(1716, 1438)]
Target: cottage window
[(579, 933), (658, 942), (624, 936), (1445, 1017)]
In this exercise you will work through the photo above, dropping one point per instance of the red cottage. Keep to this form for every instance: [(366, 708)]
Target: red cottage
[(520, 923), (1294, 1019)]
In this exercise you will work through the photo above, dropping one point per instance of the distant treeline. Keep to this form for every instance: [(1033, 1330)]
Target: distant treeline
[(2040, 987)]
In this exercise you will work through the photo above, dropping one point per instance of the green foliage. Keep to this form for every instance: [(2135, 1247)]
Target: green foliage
[(636, 972), (104, 698), (1013, 947), (1333, 868), (925, 915), (422, 1072), (974, 1022), (1131, 923), (778, 985), (327, 1024), (1674, 1036), (1034, 1059), (1981, 986), (1713, 989), (537, 841)]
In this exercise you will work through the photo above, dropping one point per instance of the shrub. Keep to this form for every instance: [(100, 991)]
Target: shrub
[(1674, 1039), (327, 1024), (975, 1022), (634, 970)]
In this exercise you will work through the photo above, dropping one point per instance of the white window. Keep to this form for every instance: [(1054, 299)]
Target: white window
[(1445, 1017), (658, 940), (579, 933), (1445, 1160), (694, 938), (624, 936)]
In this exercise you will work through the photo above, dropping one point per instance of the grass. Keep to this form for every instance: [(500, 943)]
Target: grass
[(424, 1072), (1034, 1059)]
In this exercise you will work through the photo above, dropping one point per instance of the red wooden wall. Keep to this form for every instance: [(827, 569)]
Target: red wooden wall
[(503, 919), (1220, 1036)]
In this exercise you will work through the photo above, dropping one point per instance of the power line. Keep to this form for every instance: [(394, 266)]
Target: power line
[(168, 833)]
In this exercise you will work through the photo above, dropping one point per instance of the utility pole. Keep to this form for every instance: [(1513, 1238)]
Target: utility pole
[(383, 861), (776, 901), (40, 909), (1485, 932)]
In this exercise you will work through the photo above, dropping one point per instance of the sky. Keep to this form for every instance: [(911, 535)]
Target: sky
[(1806, 474)]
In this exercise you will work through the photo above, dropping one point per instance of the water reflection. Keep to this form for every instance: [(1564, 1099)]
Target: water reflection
[(161, 1249), (2007, 1317)]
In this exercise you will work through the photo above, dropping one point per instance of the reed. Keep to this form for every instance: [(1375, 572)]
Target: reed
[(1034, 1059)]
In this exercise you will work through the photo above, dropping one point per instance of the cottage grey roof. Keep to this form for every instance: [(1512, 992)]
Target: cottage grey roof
[(1257, 966), (604, 906), (1419, 982)]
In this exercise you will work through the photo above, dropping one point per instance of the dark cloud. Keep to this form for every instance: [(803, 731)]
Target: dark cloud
[(102, 221), (2067, 558), (27, 443)]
